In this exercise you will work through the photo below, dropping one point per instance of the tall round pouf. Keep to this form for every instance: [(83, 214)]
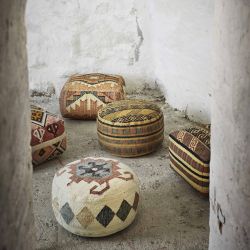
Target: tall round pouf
[(83, 95), (95, 197), (130, 128)]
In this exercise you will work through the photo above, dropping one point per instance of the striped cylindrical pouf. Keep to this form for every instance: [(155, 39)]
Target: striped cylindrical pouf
[(130, 128), (95, 197), (189, 151)]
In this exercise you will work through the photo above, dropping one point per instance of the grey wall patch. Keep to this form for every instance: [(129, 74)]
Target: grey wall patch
[(141, 38), (220, 217)]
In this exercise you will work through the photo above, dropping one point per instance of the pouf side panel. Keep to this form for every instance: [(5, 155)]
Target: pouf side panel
[(201, 187), (49, 151), (128, 130), (130, 141), (45, 126), (193, 168), (48, 137), (95, 228), (131, 148), (189, 158)]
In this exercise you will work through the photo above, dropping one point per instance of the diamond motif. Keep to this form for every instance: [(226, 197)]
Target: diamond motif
[(105, 216), (124, 210), (94, 169), (136, 201), (41, 152), (85, 217), (67, 213)]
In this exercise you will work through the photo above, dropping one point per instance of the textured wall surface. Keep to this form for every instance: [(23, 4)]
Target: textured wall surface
[(151, 43), (15, 163), (182, 40), (230, 165), (67, 37)]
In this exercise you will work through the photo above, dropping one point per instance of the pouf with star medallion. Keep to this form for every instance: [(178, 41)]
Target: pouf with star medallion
[(130, 128), (48, 137), (95, 197), (83, 95), (189, 151)]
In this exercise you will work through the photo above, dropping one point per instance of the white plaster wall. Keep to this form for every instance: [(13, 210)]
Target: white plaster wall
[(182, 44), (82, 36), (230, 163), (150, 43)]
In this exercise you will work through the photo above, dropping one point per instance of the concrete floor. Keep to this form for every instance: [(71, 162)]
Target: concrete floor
[(171, 216)]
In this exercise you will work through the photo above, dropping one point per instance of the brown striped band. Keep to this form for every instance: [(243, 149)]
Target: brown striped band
[(131, 143), (188, 159), (133, 151), (201, 186), (187, 168)]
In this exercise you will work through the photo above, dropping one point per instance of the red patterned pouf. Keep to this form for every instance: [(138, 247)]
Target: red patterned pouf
[(48, 137)]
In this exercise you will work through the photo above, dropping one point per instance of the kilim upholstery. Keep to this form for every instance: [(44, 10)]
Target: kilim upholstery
[(48, 137), (189, 151), (130, 128), (95, 197), (83, 95)]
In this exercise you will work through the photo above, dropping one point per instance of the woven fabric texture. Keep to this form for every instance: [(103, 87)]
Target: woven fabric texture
[(95, 197), (189, 151), (48, 137), (83, 95), (130, 128)]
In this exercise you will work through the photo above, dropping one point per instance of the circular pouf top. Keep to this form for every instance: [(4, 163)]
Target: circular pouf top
[(130, 128), (83, 95), (95, 197)]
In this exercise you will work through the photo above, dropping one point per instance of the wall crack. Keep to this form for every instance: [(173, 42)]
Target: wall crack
[(141, 39)]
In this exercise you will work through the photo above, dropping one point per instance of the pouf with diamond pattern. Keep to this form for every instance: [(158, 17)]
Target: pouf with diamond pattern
[(48, 137), (83, 95), (95, 197), (130, 128)]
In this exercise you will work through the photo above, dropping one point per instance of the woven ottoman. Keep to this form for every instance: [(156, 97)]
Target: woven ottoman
[(189, 151), (83, 95), (130, 128), (48, 137), (95, 197)]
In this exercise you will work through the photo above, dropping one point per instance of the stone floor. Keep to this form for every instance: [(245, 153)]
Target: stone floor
[(171, 216)]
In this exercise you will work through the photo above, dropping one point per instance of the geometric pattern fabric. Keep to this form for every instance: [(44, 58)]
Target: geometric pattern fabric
[(95, 196), (130, 128), (48, 137), (104, 217), (83, 95), (189, 151)]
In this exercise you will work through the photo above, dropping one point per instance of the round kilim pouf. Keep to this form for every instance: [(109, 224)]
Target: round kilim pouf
[(95, 197), (130, 128), (48, 136), (83, 95)]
